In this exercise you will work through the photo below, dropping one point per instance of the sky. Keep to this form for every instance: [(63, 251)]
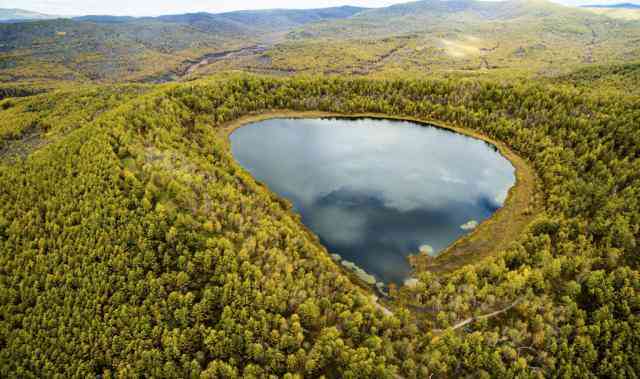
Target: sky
[(158, 7)]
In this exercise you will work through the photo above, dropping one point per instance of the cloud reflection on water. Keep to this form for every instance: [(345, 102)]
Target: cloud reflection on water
[(376, 190)]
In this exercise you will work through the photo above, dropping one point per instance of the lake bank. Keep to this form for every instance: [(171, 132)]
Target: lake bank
[(490, 236)]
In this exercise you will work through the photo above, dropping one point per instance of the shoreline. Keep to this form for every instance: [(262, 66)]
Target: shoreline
[(489, 237)]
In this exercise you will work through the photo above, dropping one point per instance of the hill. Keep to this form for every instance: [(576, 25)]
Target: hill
[(623, 11), (435, 15), (262, 20), (132, 244), (521, 38), (111, 48), (614, 6), (19, 15), (603, 78), (430, 36), (86, 51), (239, 22), (515, 37)]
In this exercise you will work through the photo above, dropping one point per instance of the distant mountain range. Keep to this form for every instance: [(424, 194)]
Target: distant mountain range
[(297, 16), (103, 47), (424, 36), (246, 19), (18, 15), (614, 6)]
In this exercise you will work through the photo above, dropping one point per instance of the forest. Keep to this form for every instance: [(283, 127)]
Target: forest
[(494, 39), (133, 245)]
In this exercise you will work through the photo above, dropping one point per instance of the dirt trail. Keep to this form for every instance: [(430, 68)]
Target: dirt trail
[(379, 62), (193, 65), (588, 57), (489, 315)]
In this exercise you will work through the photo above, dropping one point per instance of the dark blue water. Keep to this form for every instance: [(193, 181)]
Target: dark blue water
[(375, 191)]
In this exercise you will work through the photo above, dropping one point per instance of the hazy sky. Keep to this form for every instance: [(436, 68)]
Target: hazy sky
[(157, 7)]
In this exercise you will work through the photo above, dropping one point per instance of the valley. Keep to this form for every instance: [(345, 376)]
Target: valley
[(462, 38)]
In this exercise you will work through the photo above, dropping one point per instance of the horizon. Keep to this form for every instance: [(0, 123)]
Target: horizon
[(148, 8)]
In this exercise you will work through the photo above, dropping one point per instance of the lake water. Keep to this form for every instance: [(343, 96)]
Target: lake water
[(376, 190)]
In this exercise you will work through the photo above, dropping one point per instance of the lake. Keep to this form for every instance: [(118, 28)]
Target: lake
[(377, 190)]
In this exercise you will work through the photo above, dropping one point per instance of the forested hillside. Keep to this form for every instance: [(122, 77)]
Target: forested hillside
[(514, 38), (465, 37), (18, 15), (111, 48), (132, 244)]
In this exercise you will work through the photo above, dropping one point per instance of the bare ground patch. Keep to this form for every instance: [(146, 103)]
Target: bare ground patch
[(14, 148)]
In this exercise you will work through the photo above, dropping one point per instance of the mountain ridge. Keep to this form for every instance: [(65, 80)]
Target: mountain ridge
[(9, 15), (421, 36), (17, 14), (613, 6)]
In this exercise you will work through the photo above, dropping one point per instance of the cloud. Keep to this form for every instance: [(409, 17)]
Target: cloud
[(472, 224), (426, 249), (339, 226)]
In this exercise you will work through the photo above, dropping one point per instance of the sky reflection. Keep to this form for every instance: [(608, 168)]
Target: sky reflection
[(374, 191)]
